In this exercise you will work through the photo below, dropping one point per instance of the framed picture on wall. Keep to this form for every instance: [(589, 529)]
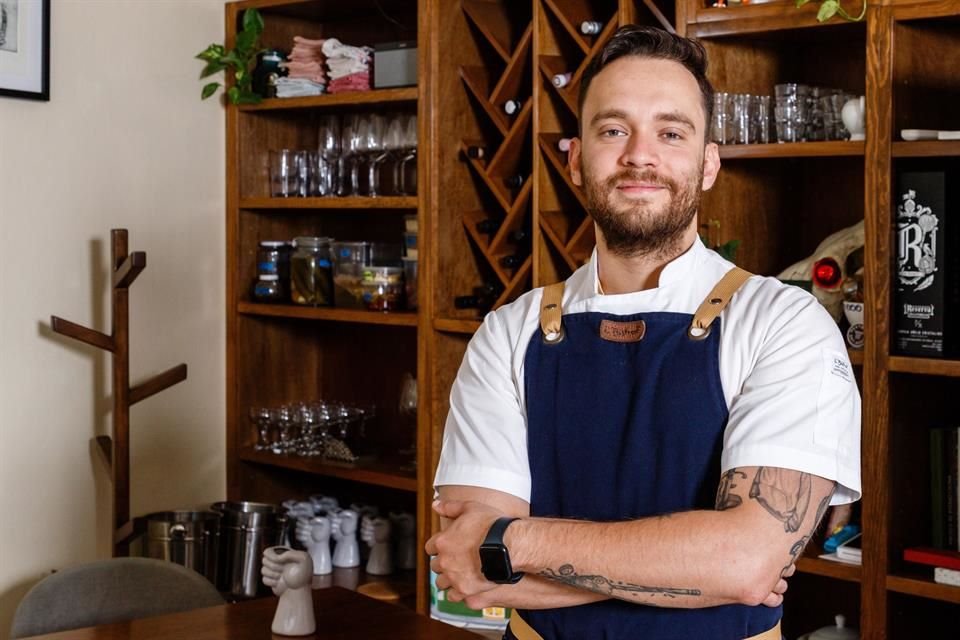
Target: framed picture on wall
[(25, 49)]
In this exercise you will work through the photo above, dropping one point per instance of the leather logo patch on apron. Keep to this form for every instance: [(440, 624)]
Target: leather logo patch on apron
[(613, 331)]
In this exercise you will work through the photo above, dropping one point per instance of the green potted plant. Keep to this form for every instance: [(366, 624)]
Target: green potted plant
[(239, 61)]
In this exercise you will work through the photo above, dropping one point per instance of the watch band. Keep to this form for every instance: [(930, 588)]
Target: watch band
[(497, 529)]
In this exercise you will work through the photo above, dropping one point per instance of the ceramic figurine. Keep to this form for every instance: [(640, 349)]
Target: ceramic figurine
[(348, 578), (853, 115), (323, 505), (314, 535), (346, 553), (289, 574), (376, 533), (405, 536)]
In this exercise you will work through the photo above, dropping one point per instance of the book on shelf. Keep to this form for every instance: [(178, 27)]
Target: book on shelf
[(933, 557), (942, 575), (945, 487), (851, 550), (833, 557)]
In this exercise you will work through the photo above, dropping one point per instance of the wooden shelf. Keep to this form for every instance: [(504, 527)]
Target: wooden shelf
[(375, 472), (925, 366), (335, 100), (826, 149), (350, 202), (829, 569), (924, 588), (454, 325), (395, 318), (757, 18), (926, 149)]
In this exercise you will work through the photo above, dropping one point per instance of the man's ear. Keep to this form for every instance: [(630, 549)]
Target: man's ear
[(711, 165), (573, 161)]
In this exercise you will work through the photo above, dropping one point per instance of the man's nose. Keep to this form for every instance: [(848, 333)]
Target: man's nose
[(640, 150)]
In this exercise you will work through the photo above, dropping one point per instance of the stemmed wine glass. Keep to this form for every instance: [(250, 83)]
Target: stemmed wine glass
[(406, 176), (328, 150), (260, 417)]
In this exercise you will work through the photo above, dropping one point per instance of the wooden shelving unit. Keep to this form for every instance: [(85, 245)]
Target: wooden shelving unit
[(282, 353), (780, 199)]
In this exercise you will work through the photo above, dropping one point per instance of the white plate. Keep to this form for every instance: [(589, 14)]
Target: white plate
[(948, 135), (918, 134)]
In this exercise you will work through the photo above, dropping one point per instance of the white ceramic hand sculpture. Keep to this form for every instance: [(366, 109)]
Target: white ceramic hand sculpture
[(289, 573), (376, 533), (853, 115), (314, 535), (324, 504), (405, 534), (346, 553)]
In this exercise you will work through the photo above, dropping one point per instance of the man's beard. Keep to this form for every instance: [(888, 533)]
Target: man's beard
[(639, 228)]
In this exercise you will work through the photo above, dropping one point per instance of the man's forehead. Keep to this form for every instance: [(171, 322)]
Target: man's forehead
[(634, 82)]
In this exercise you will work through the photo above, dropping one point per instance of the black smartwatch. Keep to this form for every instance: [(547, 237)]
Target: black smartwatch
[(494, 557)]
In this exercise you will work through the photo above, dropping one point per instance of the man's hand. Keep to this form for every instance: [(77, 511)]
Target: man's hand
[(456, 549)]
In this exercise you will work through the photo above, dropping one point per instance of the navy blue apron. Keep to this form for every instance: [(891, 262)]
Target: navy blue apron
[(622, 428)]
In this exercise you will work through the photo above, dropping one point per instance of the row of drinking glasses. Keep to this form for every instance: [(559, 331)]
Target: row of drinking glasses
[(308, 428), (740, 119), (364, 154), (799, 112)]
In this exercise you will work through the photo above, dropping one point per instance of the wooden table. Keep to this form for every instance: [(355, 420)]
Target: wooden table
[(341, 614)]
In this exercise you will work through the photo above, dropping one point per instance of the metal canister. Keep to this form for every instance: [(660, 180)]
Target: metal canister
[(246, 529), (188, 538)]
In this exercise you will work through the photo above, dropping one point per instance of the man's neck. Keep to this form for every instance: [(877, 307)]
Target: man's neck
[(628, 274)]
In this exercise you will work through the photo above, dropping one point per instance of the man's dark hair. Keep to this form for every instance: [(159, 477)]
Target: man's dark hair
[(651, 42)]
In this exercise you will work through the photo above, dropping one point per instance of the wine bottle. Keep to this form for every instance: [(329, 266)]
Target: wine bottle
[(466, 302), (512, 261), (563, 144), (520, 236), (488, 226), (514, 182), (512, 107), (476, 152), (561, 80), (591, 27)]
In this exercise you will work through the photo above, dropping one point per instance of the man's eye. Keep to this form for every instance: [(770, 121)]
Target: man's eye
[(612, 133), (672, 135)]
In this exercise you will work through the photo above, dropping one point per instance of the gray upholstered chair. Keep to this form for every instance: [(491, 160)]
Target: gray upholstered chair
[(110, 591)]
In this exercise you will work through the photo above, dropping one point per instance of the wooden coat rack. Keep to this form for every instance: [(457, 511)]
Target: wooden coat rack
[(126, 267)]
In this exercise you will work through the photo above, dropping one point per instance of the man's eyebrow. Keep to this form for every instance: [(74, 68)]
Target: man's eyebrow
[(608, 114), (678, 117)]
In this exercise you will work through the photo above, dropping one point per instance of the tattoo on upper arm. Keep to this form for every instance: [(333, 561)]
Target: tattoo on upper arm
[(801, 544), (726, 499), (600, 584), (785, 494)]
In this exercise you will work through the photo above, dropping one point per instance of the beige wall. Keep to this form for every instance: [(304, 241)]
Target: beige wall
[(124, 142)]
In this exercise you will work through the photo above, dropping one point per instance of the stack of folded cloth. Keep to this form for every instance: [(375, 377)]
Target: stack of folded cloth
[(349, 66), (305, 75)]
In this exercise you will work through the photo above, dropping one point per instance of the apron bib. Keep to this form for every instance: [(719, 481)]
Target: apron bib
[(625, 420)]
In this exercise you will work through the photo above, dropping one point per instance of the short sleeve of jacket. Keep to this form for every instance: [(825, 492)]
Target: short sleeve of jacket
[(798, 406), (485, 435)]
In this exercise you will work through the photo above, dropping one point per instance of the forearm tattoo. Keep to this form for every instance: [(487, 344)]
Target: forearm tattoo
[(726, 499), (801, 544), (784, 494), (600, 584)]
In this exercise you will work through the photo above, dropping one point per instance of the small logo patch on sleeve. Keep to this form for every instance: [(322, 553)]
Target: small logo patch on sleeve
[(614, 331), (837, 364)]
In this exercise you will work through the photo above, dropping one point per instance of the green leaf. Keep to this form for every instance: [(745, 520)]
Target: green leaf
[(248, 97), (209, 90), (253, 21), (212, 68), (827, 10), (211, 53), (800, 3), (245, 42), (232, 60), (240, 75), (234, 94)]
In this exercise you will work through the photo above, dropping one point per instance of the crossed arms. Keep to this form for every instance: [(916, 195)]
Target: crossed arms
[(738, 553)]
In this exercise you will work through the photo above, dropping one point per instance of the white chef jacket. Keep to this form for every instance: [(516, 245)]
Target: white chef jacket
[(787, 381)]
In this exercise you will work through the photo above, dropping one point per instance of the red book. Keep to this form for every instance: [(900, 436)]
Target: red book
[(933, 557)]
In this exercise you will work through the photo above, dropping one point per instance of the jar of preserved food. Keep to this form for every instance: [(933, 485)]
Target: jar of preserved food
[(311, 272), (268, 289)]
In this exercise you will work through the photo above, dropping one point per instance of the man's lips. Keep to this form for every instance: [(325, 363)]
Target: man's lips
[(640, 187)]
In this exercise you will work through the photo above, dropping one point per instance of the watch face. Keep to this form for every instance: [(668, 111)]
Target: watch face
[(495, 563)]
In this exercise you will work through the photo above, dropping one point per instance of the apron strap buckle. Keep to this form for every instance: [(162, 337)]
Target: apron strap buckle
[(715, 302), (551, 314)]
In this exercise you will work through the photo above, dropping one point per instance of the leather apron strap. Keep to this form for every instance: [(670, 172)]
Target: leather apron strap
[(523, 631), (716, 301), (551, 315)]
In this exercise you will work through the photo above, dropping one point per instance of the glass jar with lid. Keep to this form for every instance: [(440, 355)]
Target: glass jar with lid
[(268, 289), (311, 272)]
